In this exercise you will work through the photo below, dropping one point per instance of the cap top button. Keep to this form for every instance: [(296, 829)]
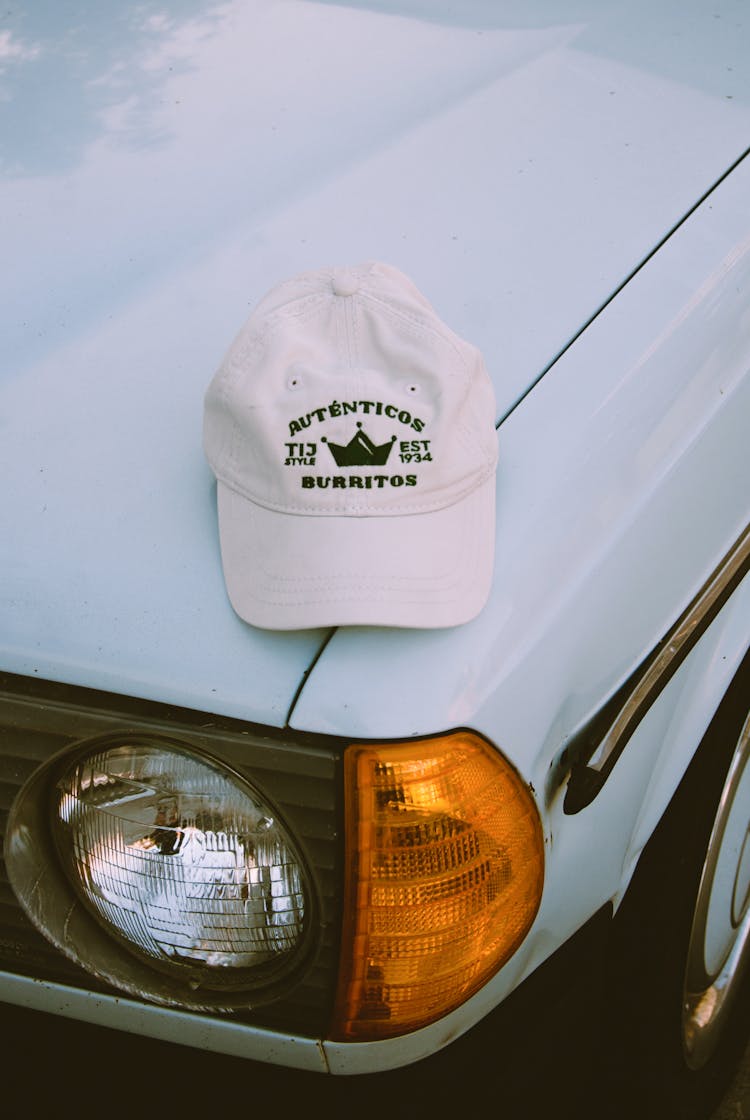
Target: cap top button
[(345, 283)]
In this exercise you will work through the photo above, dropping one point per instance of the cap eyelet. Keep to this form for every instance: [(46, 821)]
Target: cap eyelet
[(294, 382)]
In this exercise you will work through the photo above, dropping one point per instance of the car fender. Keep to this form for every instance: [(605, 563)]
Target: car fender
[(700, 689)]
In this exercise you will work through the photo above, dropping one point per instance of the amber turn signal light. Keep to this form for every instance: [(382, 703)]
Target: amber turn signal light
[(444, 874)]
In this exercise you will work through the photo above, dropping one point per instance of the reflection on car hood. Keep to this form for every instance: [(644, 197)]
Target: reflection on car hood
[(161, 171)]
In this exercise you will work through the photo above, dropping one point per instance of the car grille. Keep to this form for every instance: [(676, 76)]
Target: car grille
[(38, 719)]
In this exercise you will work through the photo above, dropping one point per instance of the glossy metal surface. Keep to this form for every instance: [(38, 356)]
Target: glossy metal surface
[(719, 948), (161, 171), (519, 167), (595, 751), (622, 483)]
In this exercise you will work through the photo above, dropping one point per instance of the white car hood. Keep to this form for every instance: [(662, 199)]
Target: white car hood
[(161, 172)]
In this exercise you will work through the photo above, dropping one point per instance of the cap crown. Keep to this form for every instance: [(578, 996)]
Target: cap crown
[(345, 394)]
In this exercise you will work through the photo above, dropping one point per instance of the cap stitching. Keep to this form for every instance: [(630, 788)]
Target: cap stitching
[(354, 580), (273, 322), (356, 346), (234, 362), (361, 511), (347, 576), (463, 350), (419, 324), (278, 595)]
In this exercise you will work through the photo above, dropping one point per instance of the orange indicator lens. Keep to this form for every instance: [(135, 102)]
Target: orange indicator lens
[(445, 868)]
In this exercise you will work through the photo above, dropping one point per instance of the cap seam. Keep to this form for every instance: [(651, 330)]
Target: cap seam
[(417, 324), (257, 340), (276, 319), (459, 347)]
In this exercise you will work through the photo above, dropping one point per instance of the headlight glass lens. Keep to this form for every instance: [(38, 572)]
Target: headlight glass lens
[(183, 861)]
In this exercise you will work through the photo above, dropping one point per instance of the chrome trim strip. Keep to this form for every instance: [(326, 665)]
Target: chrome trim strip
[(597, 747)]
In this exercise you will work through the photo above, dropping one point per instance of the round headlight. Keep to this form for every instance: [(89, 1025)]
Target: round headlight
[(183, 862)]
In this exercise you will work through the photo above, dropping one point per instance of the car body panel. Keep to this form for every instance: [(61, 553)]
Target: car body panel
[(596, 840), (637, 434), (571, 194), (125, 592), (138, 232)]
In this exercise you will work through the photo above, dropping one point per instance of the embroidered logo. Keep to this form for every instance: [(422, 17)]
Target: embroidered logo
[(360, 451)]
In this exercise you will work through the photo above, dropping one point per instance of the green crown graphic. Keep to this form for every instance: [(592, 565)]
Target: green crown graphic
[(360, 451)]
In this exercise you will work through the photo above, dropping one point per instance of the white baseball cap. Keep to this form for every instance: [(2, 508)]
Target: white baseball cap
[(352, 434)]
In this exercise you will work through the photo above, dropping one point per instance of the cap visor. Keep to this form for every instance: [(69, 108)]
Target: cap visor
[(428, 570)]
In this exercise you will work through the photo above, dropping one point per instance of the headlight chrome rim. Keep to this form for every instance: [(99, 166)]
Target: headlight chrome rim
[(38, 866)]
